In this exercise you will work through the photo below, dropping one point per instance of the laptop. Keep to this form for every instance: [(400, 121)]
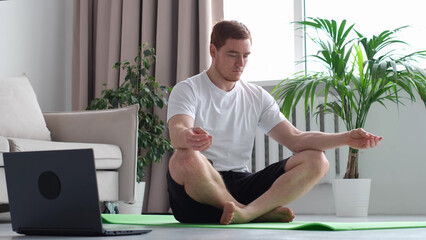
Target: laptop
[(56, 193)]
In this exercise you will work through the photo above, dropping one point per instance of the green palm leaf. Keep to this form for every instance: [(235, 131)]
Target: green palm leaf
[(358, 73)]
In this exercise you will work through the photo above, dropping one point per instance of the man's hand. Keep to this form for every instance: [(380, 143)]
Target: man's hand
[(198, 139), (360, 139)]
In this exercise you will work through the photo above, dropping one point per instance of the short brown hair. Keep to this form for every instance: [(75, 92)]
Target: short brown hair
[(224, 30)]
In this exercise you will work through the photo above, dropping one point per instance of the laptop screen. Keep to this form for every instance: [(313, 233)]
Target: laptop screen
[(53, 190)]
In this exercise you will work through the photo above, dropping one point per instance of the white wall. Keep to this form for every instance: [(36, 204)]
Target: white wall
[(36, 39), (397, 167)]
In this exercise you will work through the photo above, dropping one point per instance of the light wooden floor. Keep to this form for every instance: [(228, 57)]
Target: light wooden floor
[(247, 234)]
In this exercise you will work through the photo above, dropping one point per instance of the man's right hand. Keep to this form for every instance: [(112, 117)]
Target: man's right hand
[(184, 135), (198, 139)]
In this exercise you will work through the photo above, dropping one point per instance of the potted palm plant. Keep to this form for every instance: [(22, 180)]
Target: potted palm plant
[(139, 87), (358, 72)]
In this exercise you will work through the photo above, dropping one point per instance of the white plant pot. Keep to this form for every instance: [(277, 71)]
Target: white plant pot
[(135, 208), (351, 197)]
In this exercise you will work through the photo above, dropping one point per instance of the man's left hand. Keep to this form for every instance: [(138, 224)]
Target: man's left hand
[(360, 139)]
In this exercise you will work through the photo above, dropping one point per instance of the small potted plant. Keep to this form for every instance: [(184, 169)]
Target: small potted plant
[(358, 72), (139, 87)]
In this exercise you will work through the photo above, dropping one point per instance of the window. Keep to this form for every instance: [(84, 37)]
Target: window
[(373, 17), (272, 52), (276, 47)]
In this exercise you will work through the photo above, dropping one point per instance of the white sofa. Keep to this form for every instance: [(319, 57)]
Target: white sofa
[(111, 133)]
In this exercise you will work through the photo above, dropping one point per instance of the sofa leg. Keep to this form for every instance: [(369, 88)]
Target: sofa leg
[(4, 208), (111, 207)]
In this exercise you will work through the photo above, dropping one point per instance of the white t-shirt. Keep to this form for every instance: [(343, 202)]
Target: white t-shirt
[(230, 117)]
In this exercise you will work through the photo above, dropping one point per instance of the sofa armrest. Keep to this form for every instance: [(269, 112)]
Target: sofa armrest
[(113, 126)]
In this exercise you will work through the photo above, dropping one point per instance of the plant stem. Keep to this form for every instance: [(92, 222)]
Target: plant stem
[(352, 167)]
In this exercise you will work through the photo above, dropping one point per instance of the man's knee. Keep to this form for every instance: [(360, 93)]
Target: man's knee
[(186, 158), (184, 163), (314, 161), (317, 162)]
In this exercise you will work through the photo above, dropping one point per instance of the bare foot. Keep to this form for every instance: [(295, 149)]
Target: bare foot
[(228, 213), (233, 214), (279, 214)]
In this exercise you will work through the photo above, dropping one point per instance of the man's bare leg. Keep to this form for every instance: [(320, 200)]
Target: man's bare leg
[(303, 171), (200, 180), (205, 185)]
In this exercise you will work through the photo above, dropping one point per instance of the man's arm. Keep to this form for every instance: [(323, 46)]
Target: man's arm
[(184, 135), (295, 140)]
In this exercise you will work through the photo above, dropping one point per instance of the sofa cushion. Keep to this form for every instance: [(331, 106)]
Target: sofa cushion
[(107, 156), (20, 113)]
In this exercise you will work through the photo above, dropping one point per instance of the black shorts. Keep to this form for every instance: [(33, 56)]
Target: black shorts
[(243, 186)]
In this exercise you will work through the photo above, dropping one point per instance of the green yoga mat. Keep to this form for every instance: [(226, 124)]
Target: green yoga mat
[(169, 221)]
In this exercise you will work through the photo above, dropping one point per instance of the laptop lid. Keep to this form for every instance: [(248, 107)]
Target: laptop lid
[(53, 192)]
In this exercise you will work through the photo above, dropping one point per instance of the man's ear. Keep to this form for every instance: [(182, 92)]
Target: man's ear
[(212, 50)]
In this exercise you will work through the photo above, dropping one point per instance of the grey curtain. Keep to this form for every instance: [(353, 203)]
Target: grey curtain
[(108, 31), (105, 32)]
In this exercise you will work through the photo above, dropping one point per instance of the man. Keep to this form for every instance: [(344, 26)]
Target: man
[(212, 120)]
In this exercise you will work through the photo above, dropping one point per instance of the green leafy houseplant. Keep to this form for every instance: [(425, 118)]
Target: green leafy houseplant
[(358, 72), (139, 87)]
